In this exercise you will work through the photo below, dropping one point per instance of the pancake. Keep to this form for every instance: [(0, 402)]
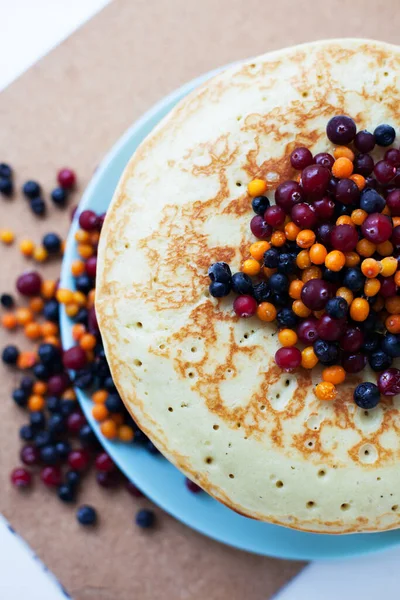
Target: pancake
[(201, 383)]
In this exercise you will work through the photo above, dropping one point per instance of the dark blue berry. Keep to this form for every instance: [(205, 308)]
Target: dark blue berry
[(353, 279), (38, 206), (52, 243), (53, 404), (87, 436), (59, 196), (219, 290), (342, 209), (391, 345), (326, 352), (26, 433), (63, 449), (114, 404), (271, 258), (81, 316), (286, 263), (48, 353), (84, 284), (49, 455), (260, 205), (331, 276), (66, 493), (379, 361), (287, 318), (150, 447), (6, 186), (86, 515), (6, 300), (371, 343), (57, 424), (220, 272), (371, 323), (109, 385), (72, 478), (279, 283), (366, 395), (337, 308), (51, 311), (20, 397), (384, 135), (83, 378), (67, 407), (145, 518), (371, 201), (41, 372), (10, 355), (262, 292), (281, 299), (26, 384), (31, 189), (43, 438), (5, 171), (140, 437), (242, 284)]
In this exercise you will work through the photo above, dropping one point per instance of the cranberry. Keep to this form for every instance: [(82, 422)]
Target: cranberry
[(324, 233), (324, 159), (21, 477), (396, 180), (260, 228), (101, 220), (73, 211), (316, 293), (288, 194), (388, 287), (288, 358), (389, 382), (393, 203), (107, 480), (57, 384), (29, 284), (78, 460), (74, 358), (104, 463), (330, 329), (341, 130), (363, 164), (88, 220), (377, 228), (245, 306), (396, 236), (347, 192), (303, 215), (93, 326), (301, 158), (332, 185), (91, 266), (307, 331), (133, 490), (352, 339), (344, 238), (364, 141), (275, 216), (75, 421), (354, 363), (393, 156), (29, 454), (324, 208), (315, 179), (384, 171), (66, 178), (192, 486), (51, 476)]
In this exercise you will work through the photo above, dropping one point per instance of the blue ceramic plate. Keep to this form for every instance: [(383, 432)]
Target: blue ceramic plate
[(158, 478)]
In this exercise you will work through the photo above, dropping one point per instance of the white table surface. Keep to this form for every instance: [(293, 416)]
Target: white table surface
[(23, 41)]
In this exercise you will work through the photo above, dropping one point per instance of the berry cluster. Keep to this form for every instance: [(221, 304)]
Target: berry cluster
[(326, 266)]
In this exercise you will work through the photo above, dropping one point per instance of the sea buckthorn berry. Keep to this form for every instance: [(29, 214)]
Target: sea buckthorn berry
[(303, 260), (100, 412), (39, 387), (359, 180), (313, 272), (33, 331), (26, 360), (91, 298), (392, 323), (266, 312), (77, 267), (343, 152), (64, 296), (386, 211), (291, 231), (392, 305), (345, 293), (287, 337), (88, 341), (385, 248), (23, 316), (9, 321), (26, 247), (295, 288), (351, 259), (69, 394), (397, 278), (305, 239), (358, 216), (300, 309), (40, 254), (78, 329), (342, 168), (344, 220), (258, 249), (308, 358), (251, 267), (82, 236), (388, 266), (335, 260), (36, 304), (365, 248), (334, 374), (325, 391), (278, 238), (49, 329), (359, 309), (94, 238), (370, 267), (117, 418), (109, 429), (372, 287), (85, 250), (379, 304), (79, 298), (125, 433), (100, 396), (36, 402), (72, 309), (7, 236), (257, 187), (48, 289), (318, 254)]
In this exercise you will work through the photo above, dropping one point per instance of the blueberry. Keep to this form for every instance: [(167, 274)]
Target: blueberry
[(59, 196), (6, 300), (10, 355), (332, 276), (53, 404), (72, 478), (150, 447), (371, 201), (63, 449), (379, 360), (87, 436), (49, 455), (391, 345), (26, 433), (81, 316), (342, 209), (281, 299), (100, 366), (262, 292), (260, 204), (43, 438), (52, 243), (140, 437), (353, 279), (384, 135), (38, 206), (86, 515), (219, 290), (370, 323), (31, 189), (371, 343), (83, 379), (66, 493), (287, 318), (271, 258), (56, 367), (145, 518), (220, 272), (114, 404), (67, 407), (109, 385), (26, 384), (41, 372), (57, 424), (279, 283), (337, 308), (20, 397), (5, 171), (51, 311), (327, 352), (242, 284), (83, 284), (366, 395), (286, 263), (48, 353), (6, 186)]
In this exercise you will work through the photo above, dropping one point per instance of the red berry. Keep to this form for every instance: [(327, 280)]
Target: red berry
[(288, 358), (303, 215), (352, 339), (245, 306), (324, 159), (104, 463), (107, 480), (377, 228), (316, 293), (260, 228), (389, 382), (388, 287), (393, 202), (29, 454), (133, 490), (384, 171), (74, 358), (301, 158), (341, 130), (354, 363), (330, 329), (57, 384), (396, 236), (79, 460), (88, 220), (315, 179), (21, 477), (288, 194), (51, 476), (275, 216), (101, 220), (93, 326), (393, 156), (29, 284), (192, 486), (364, 141), (347, 192), (91, 266), (324, 208), (73, 211), (363, 164), (66, 178), (344, 238), (75, 422), (307, 331)]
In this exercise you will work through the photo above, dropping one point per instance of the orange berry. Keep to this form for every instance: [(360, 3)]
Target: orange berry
[(109, 429), (69, 394), (23, 316), (125, 433), (52, 339), (90, 298), (300, 309), (388, 266), (266, 312), (94, 238), (287, 337), (26, 360), (118, 419), (379, 304), (359, 180), (36, 304), (386, 211), (334, 374), (345, 293), (72, 309), (397, 278), (313, 272), (64, 296), (40, 254), (295, 288), (9, 321), (36, 402), (291, 231), (318, 254), (7, 236), (78, 329), (365, 248), (351, 259), (268, 272), (392, 323), (251, 267), (359, 309), (49, 328), (63, 245), (370, 267), (39, 388), (303, 260), (258, 249), (344, 220), (100, 412), (77, 268), (343, 152), (372, 287), (85, 250), (385, 248), (318, 313), (335, 260), (100, 396), (325, 391), (342, 168), (306, 238), (79, 298), (396, 221), (278, 238), (26, 247), (82, 236), (33, 331), (88, 341), (358, 216), (257, 187), (392, 305), (308, 358), (48, 289)]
